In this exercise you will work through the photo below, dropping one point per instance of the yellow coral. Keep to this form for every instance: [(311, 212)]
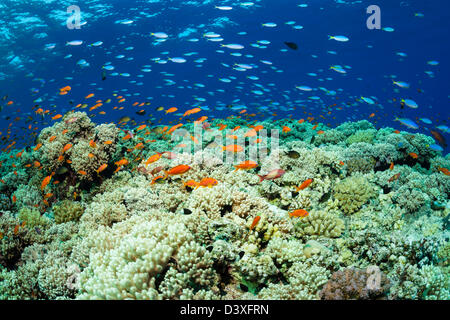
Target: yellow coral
[(320, 223), (352, 193)]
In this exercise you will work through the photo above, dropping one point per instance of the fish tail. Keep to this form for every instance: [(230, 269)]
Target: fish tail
[(261, 178), (166, 174)]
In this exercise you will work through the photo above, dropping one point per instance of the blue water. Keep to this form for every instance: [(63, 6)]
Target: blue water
[(369, 57)]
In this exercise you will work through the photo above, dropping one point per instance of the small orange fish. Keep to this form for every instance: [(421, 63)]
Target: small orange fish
[(89, 96), (286, 129), (56, 117), (191, 184), (302, 213), (38, 146), (92, 144), (155, 179), (170, 110), (180, 169), (108, 142), (91, 155), (304, 185), (122, 162), (414, 155), (391, 167), (394, 177), (66, 147), (65, 131), (102, 167), (46, 181), (153, 158), (52, 138), (207, 183), (444, 171), (127, 137), (233, 148), (16, 229), (255, 222), (82, 172), (14, 198), (142, 127), (246, 165)]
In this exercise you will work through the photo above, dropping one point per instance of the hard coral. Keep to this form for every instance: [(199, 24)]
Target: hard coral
[(356, 284), (352, 193)]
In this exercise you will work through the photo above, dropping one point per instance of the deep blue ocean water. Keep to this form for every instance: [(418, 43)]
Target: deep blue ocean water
[(32, 75)]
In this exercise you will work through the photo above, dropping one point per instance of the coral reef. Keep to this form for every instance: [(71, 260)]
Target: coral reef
[(374, 222)]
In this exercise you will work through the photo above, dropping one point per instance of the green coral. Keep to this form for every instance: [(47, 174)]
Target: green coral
[(352, 193), (362, 136), (320, 223), (32, 217), (67, 210)]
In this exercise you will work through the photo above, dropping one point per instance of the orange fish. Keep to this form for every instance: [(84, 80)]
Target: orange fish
[(302, 213), (82, 172), (180, 169), (255, 222), (286, 129), (14, 199), (122, 162), (91, 155), (102, 167), (66, 147), (207, 183), (191, 184), (444, 171), (92, 144), (108, 142), (52, 138), (414, 155), (153, 158), (394, 177), (38, 146), (246, 165), (391, 167), (170, 110), (58, 116), (233, 148), (304, 185), (16, 229), (46, 181), (89, 96), (155, 179), (142, 127), (191, 111), (128, 136)]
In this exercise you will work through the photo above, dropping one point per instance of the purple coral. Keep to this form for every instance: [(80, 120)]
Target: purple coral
[(356, 284)]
